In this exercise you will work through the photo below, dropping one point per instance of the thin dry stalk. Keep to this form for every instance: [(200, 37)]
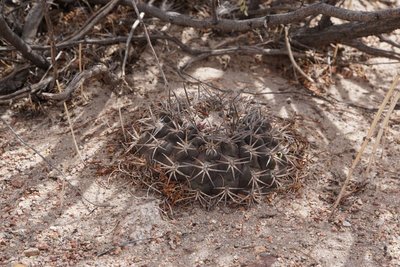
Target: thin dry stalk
[(151, 46), (122, 124), (70, 126), (128, 42), (290, 54), (62, 194), (93, 20), (80, 70), (53, 49), (335, 53), (382, 129), (371, 130)]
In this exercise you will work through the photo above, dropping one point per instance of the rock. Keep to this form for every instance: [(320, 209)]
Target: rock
[(260, 249), (42, 246), (31, 252), (17, 183), (346, 224)]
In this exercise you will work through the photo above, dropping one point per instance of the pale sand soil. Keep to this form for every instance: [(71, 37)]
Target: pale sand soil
[(45, 222)]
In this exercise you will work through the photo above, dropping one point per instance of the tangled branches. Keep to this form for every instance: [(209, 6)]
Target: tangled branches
[(310, 24)]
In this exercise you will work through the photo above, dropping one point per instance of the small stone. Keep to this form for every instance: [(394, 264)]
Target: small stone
[(17, 183), (117, 251), (31, 252), (260, 249), (346, 224), (42, 246)]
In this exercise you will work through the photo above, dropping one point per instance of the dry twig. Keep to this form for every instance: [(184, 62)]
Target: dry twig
[(20, 45), (290, 54), (358, 44), (297, 15), (128, 42), (384, 126), (32, 21), (76, 82), (89, 24), (146, 33), (365, 143), (70, 126), (30, 89)]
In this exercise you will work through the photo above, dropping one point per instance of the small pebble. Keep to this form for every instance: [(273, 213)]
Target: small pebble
[(346, 224), (17, 183), (42, 246), (260, 249), (31, 252)]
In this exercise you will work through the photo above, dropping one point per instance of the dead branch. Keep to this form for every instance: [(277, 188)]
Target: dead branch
[(32, 22), (266, 11), (228, 25), (358, 44), (115, 40), (77, 81), (14, 80), (326, 20), (290, 54), (128, 43), (20, 45), (93, 20), (358, 24), (146, 34), (30, 89), (384, 21), (345, 32), (52, 41), (214, 14), (385, 39)]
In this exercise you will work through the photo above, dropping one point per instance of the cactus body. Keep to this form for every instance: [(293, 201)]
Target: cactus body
[(217, 149)]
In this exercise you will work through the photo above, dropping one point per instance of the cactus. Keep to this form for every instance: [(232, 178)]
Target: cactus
[(217, 149)]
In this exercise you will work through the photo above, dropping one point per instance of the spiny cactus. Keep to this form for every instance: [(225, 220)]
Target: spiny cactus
[(216, 149)]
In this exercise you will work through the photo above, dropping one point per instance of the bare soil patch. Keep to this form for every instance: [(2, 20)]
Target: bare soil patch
[(97, 215), (45, 222)]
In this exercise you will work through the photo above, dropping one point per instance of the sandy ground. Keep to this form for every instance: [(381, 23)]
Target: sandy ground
[(44, 221)]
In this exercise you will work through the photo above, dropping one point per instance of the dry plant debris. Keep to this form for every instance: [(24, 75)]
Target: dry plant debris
[(217, 148), (43, 42)]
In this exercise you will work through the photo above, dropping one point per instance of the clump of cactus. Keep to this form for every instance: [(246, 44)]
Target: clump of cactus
[(215, 148)]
